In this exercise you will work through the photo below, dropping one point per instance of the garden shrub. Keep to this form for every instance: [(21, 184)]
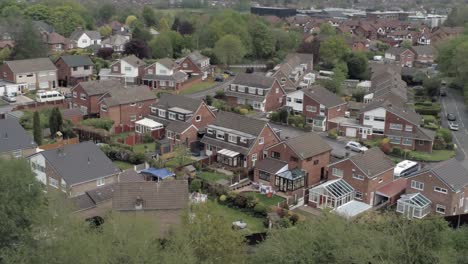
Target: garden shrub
[(98, 123), (294, 218), (260, 210), (332, 133), (243, 111), (147, 138), (240, 201), (195, 185)]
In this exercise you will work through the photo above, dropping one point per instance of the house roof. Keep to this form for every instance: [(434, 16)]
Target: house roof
[(240, 123), (31, 65), (423, 50), (163, 195), (323, 96), (389, 105), (75, 35), (43, 26), (167, 62), (177, 126), (130, 175), (167, 101), (128, 94), (225, 145), (396, 50), (254, 80), (196, 56), (393, 188), (80, 163), (308, 145), (13, 136), (98, 87), (115, 40), (177, 76), (102, 193), (76, 60), (133, 60), (270, 165), (452, 173), (56, 38), (372, 162), (82, 202)]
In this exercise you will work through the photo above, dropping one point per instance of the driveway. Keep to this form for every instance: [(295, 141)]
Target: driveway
[(453, 103), (211, 91), (21, 99)]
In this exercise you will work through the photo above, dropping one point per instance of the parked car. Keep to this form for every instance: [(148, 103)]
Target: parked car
[(230, 73), (219, 78), (356, 146), (453, 126), (9, 98), (443, 92), (451, 117)]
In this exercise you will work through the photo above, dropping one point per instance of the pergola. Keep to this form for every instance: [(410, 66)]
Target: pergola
[(331, 194), (414, 205)]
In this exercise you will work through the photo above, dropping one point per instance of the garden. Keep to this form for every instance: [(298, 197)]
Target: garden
[(198, 87)]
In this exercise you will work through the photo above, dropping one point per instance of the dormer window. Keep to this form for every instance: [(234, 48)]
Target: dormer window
[(162, 113)]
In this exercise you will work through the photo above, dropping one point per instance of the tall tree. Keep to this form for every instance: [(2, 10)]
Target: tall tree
[(163, 25), (333, 50), (37, 128), (176, 24), (137, 47), (130, 19), (358, 67), (106, 12), (58, 118), (262, 39), (149, 17), (53, 122), (28, 43), (229, 50), (161, 47), (186, 28)]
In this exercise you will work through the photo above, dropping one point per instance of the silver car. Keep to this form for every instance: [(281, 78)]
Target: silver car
[(356, 146), (453, 126), (9, 98)]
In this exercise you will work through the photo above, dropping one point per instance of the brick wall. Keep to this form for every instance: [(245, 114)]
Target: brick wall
[(275, 98), (81, 188), (6, 73), (269, 139), (62, 70), (207, 117)]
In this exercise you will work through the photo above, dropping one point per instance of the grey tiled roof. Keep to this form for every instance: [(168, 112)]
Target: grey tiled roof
[(80, 163), (164, 195), (95, 35), (392, 105), (254, 80), (130, 175), (101, 194), (452, 173), (31, 65), (129, 94), (308, 145), (99, 87), (77, 60), (372, 162), (167, 62), (323, 96), (258, 98), (13, 136), (134, 61), (167, 101), (424, 50), (177, 126), (82, 202), (240, 123), (270, 165)]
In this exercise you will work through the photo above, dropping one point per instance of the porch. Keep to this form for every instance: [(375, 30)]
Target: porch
[(231, 158), (414, 205), (331, 194)]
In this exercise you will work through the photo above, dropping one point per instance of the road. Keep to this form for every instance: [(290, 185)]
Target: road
[(211, 91), (453, 103)]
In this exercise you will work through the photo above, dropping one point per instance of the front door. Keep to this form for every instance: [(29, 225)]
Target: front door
[(364, 134)]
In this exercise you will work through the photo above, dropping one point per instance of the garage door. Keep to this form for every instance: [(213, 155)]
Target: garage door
[(44, 85), (351, 132)]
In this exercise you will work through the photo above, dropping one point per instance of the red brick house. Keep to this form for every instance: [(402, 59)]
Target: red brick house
[(320, 106), (31, 74), (237, 141), (164, 74), (305, 157), (195, 64), (263, 93), (403, 56), (56, 42), (86, 95), (443, 189), (129, 69), (444, 33), (72, 69), (425, 55), (367, 173)]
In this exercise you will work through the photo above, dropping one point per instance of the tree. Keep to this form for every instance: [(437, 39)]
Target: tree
[(53, 122), (38, 12), (28, 43), (66, 19), (105, 53), (185, 28), (358, 67), (149, 17), (137, 47), (4, 54), (140, 32), (327, 29), (432, 86), (406, 44), (161, 47), (229, 50), (163, 25), (130, 19), (37, 128), (21, 200), (106, 12), (333, 50), (262, 39), (182, 154), (175, 24), (105, 31)]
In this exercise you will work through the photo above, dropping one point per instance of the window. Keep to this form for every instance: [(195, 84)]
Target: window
[(100, 182), (115, 68), (311, 108), (261, 140), (133, 118), (162, 83), (132, 104), (171, 84), (29, 75), (162, 113), (377, 131), (298, 100), (172, 116), (82, 96), (316, 162), (288, 99), (366, 117), (153, 110), (394, 126), (264, 175), (180, 117), (440, 209), (243, 140), (17, 153), (127, 69), (104, 108), (220, 135), (198, 118), (275, 155), (283, 80), (53, 182), (417, 185), (293, 159), (232, 138), (252, 90), (184, 65), (440, 190), (209, 131), (150, 71), (75, 94), (358, 176), (140, 105), (241, 89), (63, 185), (337, 172), (409, 128), (277, 90), (395, 140), (75, 68), (379, 118), (407, 142), (86, 67), (254, 157), (358, 195), (170, 134)]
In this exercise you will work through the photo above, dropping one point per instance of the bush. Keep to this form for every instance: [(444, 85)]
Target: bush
[(284, 223), (105, 53), (209, 100), (281, 212), (243, 111), (397, 152), (251, 201), (450, 146), (429, 119), (385, 146), (260, 210), (220, 94), (147, 138), (196, 185), (294, 218), (275, 117), (98, 123), (332, 133), (296, 120), (240, 201), (445, 135), (223, 198)]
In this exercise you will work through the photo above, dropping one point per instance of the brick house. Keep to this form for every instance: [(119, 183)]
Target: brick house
[(74, 169), (444, 33), (86, 95), (33, 74), (164, 74), (320, 105), (195, 64), (56, 42), (367, 173), (425, 55), (263, 93), (129, 69), (85, 38), (238, 141), (305, 157), (403, 56), (126, 104), (444, 186), (14, 141), (292, 71), (72, 69)]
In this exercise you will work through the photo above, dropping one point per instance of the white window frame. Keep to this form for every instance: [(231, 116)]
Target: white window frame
[(104, 108), (395, 126), (440, 190), (17, 153), (198, 118), (254, 157), (133, 118), (337, 172), (100, 181), (417, 185), (440, 209), (252, 90), (358, 176), (311, 108), (162, 113), (243, 139), (261, 140), (407, 144), (83, 96), (172, 116), (232, 138), (220, 135), (409, 128), (53, 182), (75, 94), (358, 195), (210, 131)]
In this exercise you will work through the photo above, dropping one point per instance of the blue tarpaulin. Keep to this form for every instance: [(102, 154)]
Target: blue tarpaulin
[(159, 173)]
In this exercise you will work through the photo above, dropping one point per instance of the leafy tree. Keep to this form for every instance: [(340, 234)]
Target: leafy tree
[(333, 50), (149, 17), (130, 19), (28, 43), (186, 28), (137, 47), (140, 32), (432, 86), (457, 17), (175, 24), (161, 47), (38, 12), (163, 25), (209, 100), (195, 185), (21, 200), (105, 31), (229, 50), (105, 53), (182, 154), (37, 129), (65, 20), (358, 67), (262, 39), (4, 54), (406, 44), (327, 29), (106, 12)]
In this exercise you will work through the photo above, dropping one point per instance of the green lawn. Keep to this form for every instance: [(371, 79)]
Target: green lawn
[(213, 176), (254, 224), (141, 148), (174, 163), (198, 87), (436, 155), (273, 201), (123, 165), (2, 103)]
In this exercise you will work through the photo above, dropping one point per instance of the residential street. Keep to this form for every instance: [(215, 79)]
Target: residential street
[(453, 103), (211, 91)]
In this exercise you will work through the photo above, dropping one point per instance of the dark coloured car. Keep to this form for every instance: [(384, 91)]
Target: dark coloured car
[(230, 73), (451, 117), (219, 79), (443, 92)]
